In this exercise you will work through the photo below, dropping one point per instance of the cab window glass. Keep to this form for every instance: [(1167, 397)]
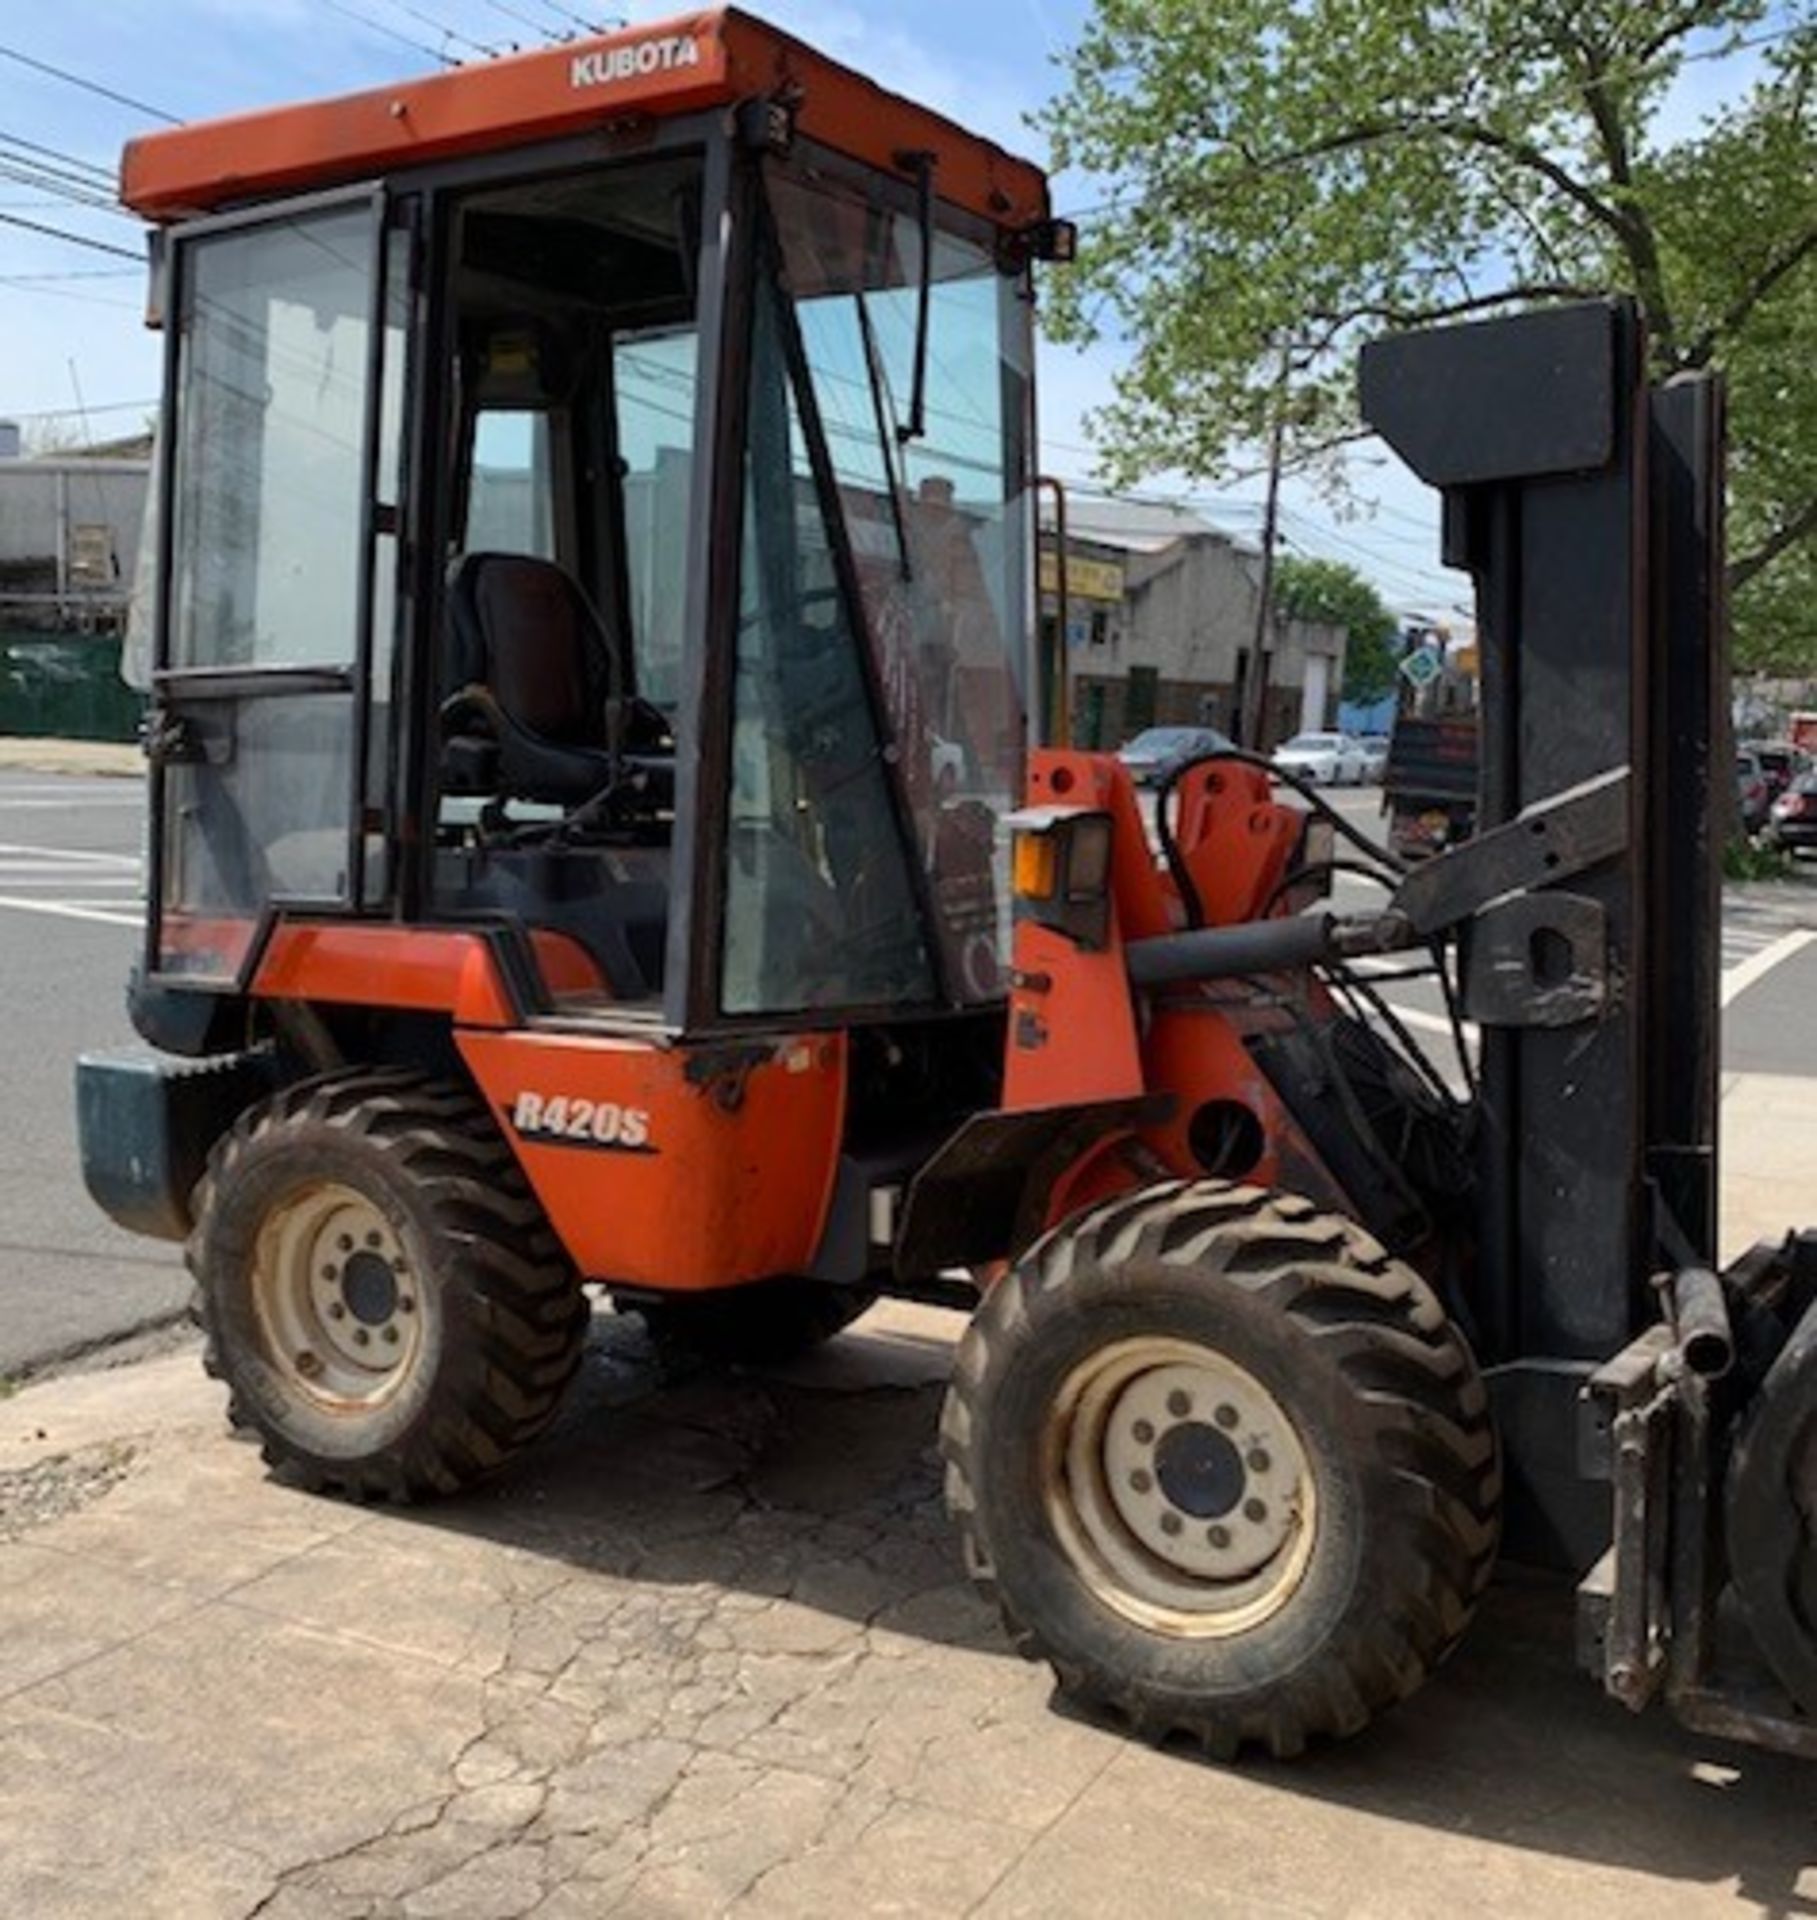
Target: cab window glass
[(820, 901), (511, 498)]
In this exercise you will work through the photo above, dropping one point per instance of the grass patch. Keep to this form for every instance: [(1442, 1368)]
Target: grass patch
[(1750, 860), (9, 1386)]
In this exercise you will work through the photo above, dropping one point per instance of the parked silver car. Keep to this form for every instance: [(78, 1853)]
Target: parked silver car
[(1326, 759)]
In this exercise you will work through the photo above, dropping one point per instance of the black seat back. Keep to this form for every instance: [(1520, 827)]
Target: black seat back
[(524, 630)]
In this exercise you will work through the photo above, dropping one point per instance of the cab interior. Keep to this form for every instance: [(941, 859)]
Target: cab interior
[(574, 338)]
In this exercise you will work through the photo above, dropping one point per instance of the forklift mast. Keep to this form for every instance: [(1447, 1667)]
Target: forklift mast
[(1587, 507)]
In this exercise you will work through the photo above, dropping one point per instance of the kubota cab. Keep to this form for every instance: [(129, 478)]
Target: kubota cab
[(599, 837)]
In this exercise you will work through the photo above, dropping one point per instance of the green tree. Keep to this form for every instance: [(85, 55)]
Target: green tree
[(1303, 174), (1339, 596)]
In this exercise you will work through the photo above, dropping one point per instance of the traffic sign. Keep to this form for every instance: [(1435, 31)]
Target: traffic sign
[(1423, 665)]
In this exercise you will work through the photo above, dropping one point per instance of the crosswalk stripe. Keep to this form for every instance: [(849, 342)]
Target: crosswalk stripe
[(66, 910)]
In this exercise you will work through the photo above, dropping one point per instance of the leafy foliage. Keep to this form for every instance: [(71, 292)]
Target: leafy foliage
[(1339, 596), (1302, 174)]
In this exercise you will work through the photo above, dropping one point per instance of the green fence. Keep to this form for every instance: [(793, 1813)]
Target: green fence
[(65, 686)]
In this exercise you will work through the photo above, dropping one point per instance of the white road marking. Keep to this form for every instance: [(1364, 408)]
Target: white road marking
[(1422, 1022), (1757, 966), (81, 855), (67, 910), (9, 805), (1736, 980)]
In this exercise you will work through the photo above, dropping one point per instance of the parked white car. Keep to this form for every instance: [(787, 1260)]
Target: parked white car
[(1326, 759), (1375, 754)]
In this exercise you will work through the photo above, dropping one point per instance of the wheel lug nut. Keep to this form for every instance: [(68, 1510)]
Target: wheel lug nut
[(361, 1338), (1218, 1536), (391, 1336), (1259, 1461), (1226, 1416), (336, 1311), (331, 1272), (308, 1365), (374, 1241), (344, 1242), (1143, 1432), (406, 1304), (1179, 1404), (1141, 1481), (1170, 1523), (1255, 1511)]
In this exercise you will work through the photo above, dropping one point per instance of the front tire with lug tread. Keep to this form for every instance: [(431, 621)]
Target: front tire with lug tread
[(379, 1288), (1225, 1465)]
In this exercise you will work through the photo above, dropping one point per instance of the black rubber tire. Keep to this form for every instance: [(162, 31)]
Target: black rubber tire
[(762, 1324), (1771, 1515), (505, 1317), (1390, 1411)]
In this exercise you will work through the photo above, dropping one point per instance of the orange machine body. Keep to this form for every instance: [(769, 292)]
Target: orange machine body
[(1074, 1030), (695, 62), (688, 1162), (659, 1164)]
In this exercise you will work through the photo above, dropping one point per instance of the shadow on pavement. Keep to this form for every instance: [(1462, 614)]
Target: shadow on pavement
[(820, 1486)]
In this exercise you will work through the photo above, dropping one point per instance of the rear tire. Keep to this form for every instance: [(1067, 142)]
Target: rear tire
[(762, 1324), (1223, 1464), (379, 1288)]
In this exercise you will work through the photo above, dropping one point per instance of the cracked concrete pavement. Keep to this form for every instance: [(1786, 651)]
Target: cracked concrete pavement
[(709, 1650)]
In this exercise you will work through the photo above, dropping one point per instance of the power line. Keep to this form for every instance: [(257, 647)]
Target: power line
[(70, 273), (72, 239), (390, 33), (448, 33), (580, 20), (64, 413), (538, 27), (8, 284), (88, 86), (75, 193), (104, 175)]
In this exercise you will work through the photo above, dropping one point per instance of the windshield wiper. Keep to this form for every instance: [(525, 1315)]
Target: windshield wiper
[(887, 444)]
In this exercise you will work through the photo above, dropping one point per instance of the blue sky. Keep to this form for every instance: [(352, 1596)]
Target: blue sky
[(988, 63)]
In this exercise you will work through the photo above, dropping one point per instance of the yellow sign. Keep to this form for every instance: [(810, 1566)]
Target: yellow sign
[(1085, 579)]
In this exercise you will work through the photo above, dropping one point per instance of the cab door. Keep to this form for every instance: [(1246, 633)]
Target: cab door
[(277, 603)]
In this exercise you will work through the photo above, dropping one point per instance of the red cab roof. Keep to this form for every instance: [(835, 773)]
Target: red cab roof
[(696, 61)]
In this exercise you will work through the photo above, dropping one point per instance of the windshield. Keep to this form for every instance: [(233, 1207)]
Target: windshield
[(939, 526)]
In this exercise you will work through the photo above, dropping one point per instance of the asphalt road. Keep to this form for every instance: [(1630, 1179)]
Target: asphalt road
[(69, 907), (69, 893)]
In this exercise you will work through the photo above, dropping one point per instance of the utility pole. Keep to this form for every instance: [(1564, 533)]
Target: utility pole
[(1254, 717)]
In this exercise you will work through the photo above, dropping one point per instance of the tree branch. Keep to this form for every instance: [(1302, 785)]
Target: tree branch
[(1450, 127), (1698, 13), (1426, 316), (1784, 537), (1700, 349), (1636, 230)]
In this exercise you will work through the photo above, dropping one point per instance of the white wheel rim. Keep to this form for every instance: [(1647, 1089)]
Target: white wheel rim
[(336, 1298), (1179, 1488)]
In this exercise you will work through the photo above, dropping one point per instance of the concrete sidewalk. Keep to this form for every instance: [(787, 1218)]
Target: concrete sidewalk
[(23, 754), (709, 1650)]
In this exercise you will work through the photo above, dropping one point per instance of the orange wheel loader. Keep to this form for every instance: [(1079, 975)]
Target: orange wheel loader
[(597, 841)]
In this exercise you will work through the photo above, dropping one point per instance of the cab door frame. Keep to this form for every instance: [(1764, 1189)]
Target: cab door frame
[(180, 694)]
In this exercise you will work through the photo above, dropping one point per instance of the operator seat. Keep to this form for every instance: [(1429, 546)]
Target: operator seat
[(537, 669)]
